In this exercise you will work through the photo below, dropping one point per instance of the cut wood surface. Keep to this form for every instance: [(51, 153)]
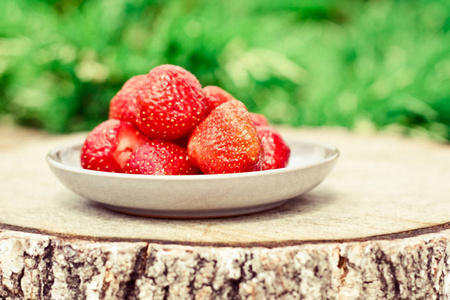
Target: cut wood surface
[(378, 227), (381, 185)]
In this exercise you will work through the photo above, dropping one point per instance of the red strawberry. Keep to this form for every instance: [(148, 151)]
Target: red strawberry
[(259, 120), (109, 145), (183, 142), (123, 104), (276, 151), (215, 96), (226, 141), (160, 158), (170, 104)]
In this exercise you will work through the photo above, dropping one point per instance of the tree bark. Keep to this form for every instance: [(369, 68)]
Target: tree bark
[(36, 266)]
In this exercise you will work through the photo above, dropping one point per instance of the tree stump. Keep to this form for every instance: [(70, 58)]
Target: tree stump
[(377, 228)]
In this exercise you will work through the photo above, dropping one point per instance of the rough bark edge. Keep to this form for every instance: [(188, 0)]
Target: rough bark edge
[(266, 244), (35, 266)]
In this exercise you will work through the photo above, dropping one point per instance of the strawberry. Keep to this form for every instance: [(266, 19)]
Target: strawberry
[(215, 96), (160, 158), (259, 120), (109, 145), (170, 104), (183, 142), (123, 104), (276, 151), (226, 141)]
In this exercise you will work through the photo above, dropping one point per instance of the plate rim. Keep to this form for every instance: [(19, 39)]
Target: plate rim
[(53, 162)]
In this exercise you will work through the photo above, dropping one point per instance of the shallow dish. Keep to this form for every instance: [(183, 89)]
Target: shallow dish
[(197, 196)]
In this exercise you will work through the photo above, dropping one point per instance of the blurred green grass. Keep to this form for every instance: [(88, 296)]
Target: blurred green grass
[(365, 65)]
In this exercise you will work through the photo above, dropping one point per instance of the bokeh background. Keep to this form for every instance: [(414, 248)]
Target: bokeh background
[(364, 65)]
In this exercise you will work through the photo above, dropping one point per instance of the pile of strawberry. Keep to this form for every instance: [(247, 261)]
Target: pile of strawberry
[(165, 123)]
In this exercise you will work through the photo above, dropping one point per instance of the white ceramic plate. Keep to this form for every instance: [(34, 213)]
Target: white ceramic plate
[(197, 196)]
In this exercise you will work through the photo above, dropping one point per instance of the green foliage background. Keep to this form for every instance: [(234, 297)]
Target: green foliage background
[(358, 64)]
